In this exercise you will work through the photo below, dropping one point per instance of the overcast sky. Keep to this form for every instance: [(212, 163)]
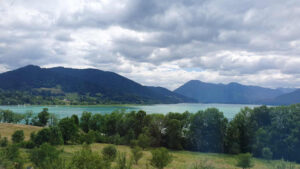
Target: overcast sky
[(158, 42)]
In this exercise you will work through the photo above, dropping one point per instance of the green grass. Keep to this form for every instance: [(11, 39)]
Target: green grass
[(181, 159)]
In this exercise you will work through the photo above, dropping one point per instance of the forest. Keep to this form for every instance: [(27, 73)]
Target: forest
[(264, 132)]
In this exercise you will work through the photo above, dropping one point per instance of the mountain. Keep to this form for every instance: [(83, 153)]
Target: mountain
[(234, 93), (285, 99), (92, 82)]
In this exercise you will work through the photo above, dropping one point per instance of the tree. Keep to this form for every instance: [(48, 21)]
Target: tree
[(76, 119), (244, 161), (144, 140), (42, 136), (173, 134), (28, 117), (109, 153), (18, 136), (68, 128), (160, 158), (85, 121), (207, 131), (46, 157), (136, 154), (43, 117), (56, 137)]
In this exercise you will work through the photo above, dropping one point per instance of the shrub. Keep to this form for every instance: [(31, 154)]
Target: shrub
[(28, 144), (55, 136), (202, 165), (136, 154), (10, 157), (267, 153), (160, 158), (3, 142), (86, 159), (284, 165), (89, 137), (144, 141), (46, 157), (244, 160), (109, 153), (122, 162), (18, 136), (133, 143)]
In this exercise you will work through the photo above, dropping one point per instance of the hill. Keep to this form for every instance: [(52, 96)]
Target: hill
[(87, 85), (181, 159), (285, 99), (234, 93)]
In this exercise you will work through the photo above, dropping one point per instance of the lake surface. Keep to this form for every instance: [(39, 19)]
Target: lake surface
[(229, 110)]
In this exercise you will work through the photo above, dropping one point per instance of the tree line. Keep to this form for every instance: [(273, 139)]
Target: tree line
[(265, 132)]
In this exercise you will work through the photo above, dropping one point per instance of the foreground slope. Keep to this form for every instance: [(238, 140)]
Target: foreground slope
[(109, 86), (227, 93), (181, 159)]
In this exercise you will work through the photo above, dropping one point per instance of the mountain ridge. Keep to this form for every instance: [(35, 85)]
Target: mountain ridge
[(233, 92), (110, 85)]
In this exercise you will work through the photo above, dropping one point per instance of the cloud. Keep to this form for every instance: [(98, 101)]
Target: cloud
[(161, 43)]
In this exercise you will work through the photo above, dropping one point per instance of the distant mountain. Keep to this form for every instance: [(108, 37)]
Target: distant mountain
[(229, 93), (110, 86), (285, 99), (286, 90)]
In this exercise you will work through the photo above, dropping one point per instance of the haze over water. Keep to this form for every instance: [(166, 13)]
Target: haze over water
[(229, 110)]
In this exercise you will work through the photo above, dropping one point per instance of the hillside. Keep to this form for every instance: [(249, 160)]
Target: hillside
[(229, 93), (96, 84), (181, 159), (288, 98)]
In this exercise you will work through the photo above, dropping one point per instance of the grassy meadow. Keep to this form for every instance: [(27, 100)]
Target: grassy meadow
[(181, 159)]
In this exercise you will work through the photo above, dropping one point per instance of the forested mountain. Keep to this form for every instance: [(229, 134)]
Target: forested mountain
[(85, 85), (231, 93), (288, 98)]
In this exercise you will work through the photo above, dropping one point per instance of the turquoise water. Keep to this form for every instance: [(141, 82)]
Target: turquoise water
[(229, 110)]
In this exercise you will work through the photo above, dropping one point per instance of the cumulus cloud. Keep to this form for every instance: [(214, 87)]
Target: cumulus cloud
[(160, 43)]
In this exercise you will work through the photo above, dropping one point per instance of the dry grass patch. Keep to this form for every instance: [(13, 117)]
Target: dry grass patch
[(7, 129)]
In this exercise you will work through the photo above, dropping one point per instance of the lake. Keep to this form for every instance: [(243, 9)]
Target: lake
[(229, 110)]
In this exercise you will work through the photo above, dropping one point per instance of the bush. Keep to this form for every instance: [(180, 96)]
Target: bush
[(267, 153), (133, 143), (18, 136), (89, 137), (43, 136), (46, 157), (202, 165), (136, 154), (55, 136), (109, 153), (86, 159), (160, 158), (10, 157), (28, 144), (3, 142), (122, 162), (284, 165), (144, 141), (244, 160)]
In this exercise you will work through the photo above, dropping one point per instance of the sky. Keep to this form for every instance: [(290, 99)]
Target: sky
[(158, 43)]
